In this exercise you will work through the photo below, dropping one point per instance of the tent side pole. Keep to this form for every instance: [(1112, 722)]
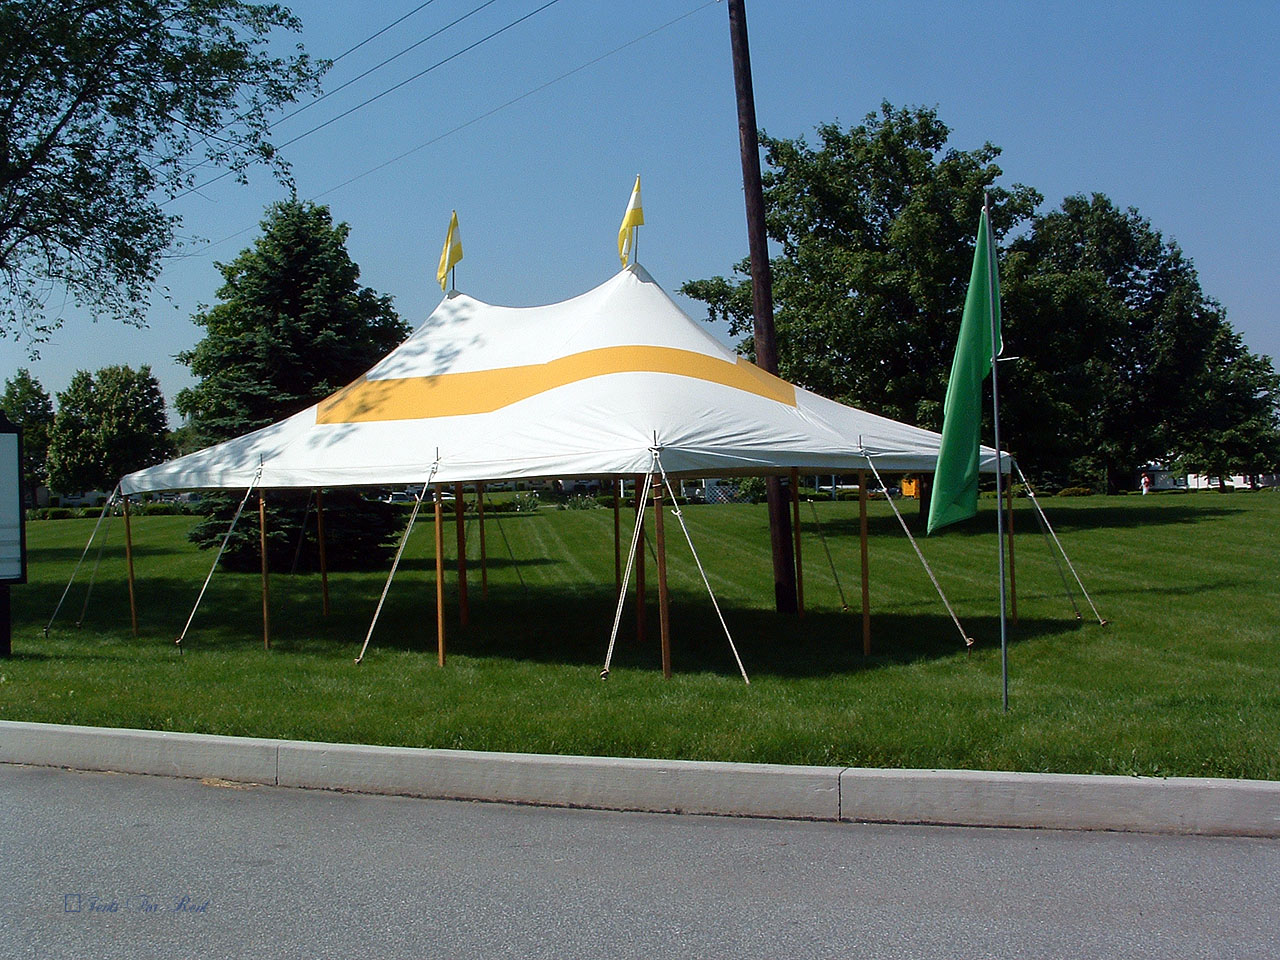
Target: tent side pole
[(324, 561), (484, 560), (617, 536), (459, 513), (795, 527), (664, 597), (128, 557), (439, 577), (266, 585), (866, 584), (1013, 580), (639, 555)]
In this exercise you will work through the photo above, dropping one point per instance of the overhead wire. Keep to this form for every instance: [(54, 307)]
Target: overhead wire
[(476, 119), (378, 66), (377, 34), (352, 49), (375, 97)]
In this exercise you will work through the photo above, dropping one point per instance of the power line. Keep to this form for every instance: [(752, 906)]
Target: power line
[(476, 119), (375, 97), (378, 66), (375, 36), (514, 100)]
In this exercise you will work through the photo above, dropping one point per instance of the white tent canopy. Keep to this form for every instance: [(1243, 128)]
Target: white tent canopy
[(586, 387)]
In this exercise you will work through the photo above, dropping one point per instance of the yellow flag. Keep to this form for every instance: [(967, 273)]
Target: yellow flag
[(633, 218), (451, 253)]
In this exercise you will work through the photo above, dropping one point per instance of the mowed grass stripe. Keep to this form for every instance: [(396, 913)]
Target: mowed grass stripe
[(1185, 679)]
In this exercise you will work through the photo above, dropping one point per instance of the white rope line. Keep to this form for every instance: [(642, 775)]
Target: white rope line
[(1070, 565), (844, 604), (226, 537), (968, 640), (110, 500), (1048, 542), (679, 515), (97, 562), (626, 577), (417, 505), (497, 516), (302, 531)]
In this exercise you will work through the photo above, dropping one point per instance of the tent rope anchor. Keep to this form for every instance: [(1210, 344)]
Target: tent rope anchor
[(968, 640), (404, 539), (225, 539)]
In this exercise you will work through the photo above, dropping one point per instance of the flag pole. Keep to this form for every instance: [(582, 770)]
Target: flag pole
[(995, 419)]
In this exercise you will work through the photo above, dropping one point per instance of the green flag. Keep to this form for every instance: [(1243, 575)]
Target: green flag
[(955, 492)]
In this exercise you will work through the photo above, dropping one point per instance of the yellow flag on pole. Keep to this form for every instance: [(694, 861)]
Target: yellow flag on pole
[(633, 218), (451, 253)]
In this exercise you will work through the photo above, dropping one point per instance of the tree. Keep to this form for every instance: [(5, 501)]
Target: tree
[(1233, 425), (107, 110), (1125, 361), (293, 325), (27, 404), (106, 426), (875, 229)]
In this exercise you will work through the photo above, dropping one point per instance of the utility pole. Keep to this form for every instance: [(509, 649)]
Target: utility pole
[(784, 567)]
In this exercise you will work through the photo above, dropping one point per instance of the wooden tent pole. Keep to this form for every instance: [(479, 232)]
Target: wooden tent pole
[(795, 527), (266, 583), (640, 551), (439, 577), (866, 585), (324, 561), (484, 559), (128, 556), (664, 597), (459, 513), (617, 536), (1013, 580)]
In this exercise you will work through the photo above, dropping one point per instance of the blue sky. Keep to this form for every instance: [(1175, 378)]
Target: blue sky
[(1169, 108)]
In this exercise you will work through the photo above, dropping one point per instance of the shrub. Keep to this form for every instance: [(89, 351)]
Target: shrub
[(525, 503), (159, 508), (580, 502), (1075, 492), (753, 489)]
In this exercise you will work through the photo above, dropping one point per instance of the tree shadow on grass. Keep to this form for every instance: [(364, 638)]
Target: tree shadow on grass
[(559, 625), (114, 551), (1072, 518)]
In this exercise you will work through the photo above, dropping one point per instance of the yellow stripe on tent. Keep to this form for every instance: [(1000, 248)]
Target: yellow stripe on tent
[(483, 391)]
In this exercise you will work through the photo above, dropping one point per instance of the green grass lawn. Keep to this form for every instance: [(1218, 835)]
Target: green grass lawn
[(1185, 680)]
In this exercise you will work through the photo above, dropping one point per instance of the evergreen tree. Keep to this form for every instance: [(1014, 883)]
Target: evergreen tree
[(292, 325)]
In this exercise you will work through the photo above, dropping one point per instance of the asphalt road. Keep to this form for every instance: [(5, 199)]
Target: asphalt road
[(102, 866)]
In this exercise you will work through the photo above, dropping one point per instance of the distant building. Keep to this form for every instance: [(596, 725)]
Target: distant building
[(1205, 481), (1161, 478)]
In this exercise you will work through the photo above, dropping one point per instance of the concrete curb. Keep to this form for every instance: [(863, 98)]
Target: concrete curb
[(956, 797), (1181, 805)]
